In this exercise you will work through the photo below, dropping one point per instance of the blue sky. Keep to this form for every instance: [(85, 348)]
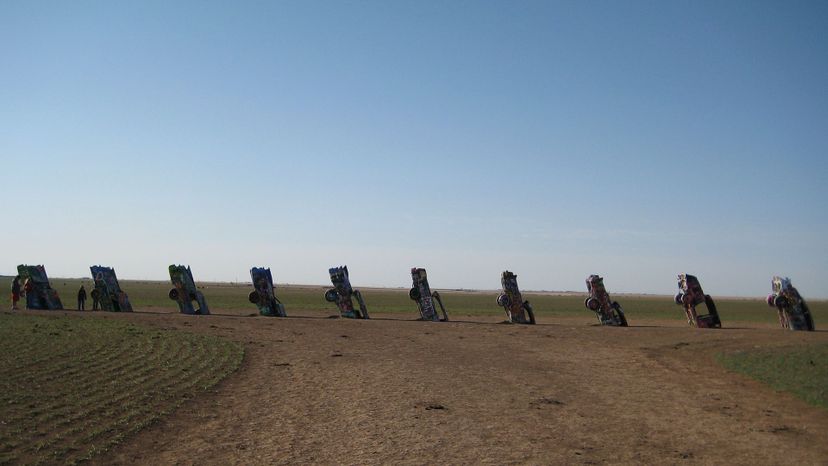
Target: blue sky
[(636, 140)]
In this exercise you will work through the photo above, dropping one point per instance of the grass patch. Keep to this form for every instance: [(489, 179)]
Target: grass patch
[(802, 371), (72, 388)]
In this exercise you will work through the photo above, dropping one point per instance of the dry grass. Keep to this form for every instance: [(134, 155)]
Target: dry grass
[(72, 388)]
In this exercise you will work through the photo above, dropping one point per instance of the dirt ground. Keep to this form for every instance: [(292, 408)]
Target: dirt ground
[(314, 389)]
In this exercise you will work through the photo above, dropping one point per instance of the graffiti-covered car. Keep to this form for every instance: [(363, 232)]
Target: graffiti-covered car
[(185, 291), (343, 294), (108, 291), (518, 310), (39, 292), (609, 312), (264, 293), (691, 295), (421, 293), (793, 311)]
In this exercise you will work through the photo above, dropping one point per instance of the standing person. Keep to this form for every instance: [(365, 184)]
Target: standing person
[(95, 297), (28, 290), (15, 290), (81, 298)]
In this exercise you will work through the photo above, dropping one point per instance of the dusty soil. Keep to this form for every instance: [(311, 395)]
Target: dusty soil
[(314, 389)]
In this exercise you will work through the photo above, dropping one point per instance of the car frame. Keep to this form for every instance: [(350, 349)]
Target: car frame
[(107, 291), (793, 311), (609, 312), (264, 293), (518, 310), (42, 296), (691, 295), (343, 294), (185, 291), (421, 293)]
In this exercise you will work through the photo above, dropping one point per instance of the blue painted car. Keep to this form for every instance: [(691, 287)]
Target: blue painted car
[(264, 293), (108, 291), (40, 294), (186, 292)]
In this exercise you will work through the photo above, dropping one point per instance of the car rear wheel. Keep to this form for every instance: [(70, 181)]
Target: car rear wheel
[(593, 304), (504, 301)]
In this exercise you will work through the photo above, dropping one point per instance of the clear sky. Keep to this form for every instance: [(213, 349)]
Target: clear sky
[(635, 139)]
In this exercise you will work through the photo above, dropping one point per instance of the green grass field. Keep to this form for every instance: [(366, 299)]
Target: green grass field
[(802, 371), (148, 295), (71, 388)]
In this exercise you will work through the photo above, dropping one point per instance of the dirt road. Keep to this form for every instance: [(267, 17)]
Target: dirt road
[(388, 390)]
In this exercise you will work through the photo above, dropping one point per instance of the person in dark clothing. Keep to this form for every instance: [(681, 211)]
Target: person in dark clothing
[(95, 297), (15, 291), (81, 298)]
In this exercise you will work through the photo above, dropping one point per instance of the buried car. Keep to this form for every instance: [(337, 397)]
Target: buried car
[(517, 310), (793, 312), (343, 293), (39, 292), (609, 312), (264, 293), (185, 291), (691, 295), (107, 291), (421, 293)]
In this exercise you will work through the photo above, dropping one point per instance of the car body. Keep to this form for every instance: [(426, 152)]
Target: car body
[(421, 293), (517, 310), (185, 291), (793, 312), (609, 312), (343, 294), (264, 293), (107, 290), (42, 295), (691, 295)]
